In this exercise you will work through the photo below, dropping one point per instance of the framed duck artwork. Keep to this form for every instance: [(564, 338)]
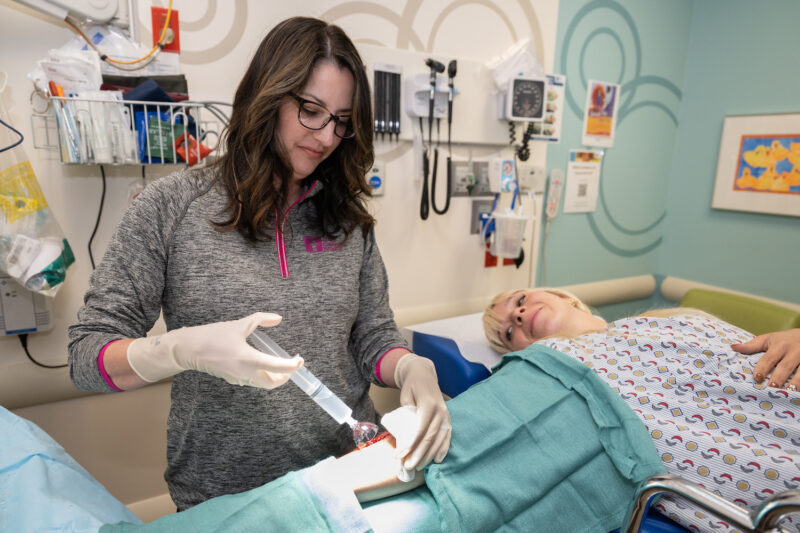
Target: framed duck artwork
[(758, 168)]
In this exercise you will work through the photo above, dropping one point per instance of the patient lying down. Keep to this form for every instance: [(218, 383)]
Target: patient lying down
[(506, 441), (686, 374), (717, 415), (680, 389)]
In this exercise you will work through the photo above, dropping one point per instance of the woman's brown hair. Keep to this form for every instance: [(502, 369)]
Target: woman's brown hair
[(253, 156)]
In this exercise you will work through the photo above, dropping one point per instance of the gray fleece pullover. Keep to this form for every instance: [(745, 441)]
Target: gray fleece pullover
[(165, 256)]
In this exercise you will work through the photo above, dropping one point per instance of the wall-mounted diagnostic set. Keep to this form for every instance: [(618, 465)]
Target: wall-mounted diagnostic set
[(433, 101)]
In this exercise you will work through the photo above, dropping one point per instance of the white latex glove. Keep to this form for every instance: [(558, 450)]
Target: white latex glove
[(416, 378), (219, 349)]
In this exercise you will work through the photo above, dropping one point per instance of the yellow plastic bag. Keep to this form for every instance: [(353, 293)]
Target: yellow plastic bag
[(33, 249)]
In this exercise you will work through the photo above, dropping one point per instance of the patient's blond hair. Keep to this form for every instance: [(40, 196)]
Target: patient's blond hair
[(491, 320)]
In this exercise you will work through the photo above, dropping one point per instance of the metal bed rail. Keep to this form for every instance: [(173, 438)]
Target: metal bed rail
[(762, 520)]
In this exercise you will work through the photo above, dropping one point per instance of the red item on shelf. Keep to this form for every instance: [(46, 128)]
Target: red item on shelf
[(194, 149)]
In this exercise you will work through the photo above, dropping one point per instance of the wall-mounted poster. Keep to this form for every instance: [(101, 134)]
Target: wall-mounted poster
[(758, 168), (600, 114)]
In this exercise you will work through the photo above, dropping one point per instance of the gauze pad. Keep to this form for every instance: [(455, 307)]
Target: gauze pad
[(403, 424)]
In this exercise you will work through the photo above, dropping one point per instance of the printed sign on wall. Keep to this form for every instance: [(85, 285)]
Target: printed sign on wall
[(583, 181), (600, 114)]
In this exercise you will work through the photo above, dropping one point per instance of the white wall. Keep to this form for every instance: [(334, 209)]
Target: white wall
[(435, 267), (428, 262)]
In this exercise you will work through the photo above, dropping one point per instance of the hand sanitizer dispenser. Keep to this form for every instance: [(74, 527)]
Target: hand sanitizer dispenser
[(22, 311)]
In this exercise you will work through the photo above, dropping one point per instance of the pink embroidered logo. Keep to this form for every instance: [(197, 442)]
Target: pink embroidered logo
[(319, 244)]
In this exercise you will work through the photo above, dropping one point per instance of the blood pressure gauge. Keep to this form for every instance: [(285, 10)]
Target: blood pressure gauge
[(525, 99)]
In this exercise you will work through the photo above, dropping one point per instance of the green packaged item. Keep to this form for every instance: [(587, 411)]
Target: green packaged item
[(157, 141)]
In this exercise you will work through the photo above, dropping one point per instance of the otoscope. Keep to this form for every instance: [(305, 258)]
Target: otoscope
[(451, 74), (424, 206), (436, 68)]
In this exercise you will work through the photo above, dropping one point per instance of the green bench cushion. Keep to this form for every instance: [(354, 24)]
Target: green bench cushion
[(755, 316)]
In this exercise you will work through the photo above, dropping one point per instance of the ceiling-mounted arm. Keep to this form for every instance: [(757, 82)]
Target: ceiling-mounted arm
[(99, 11)]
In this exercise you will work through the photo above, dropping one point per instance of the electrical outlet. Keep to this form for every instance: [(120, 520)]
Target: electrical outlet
[(172, 41), (479, 207), (470, 181)]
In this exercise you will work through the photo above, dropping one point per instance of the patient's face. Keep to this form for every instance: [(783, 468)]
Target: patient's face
[(527, 316)]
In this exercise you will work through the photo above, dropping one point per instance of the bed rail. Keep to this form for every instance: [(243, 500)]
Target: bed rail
[(763, 519)]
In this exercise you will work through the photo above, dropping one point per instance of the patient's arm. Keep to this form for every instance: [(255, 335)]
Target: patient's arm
[(372, 471)]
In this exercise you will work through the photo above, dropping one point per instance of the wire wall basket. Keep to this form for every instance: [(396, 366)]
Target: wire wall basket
[(88, 131)]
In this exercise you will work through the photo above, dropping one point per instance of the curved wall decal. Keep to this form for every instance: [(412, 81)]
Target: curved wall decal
[(402, 21), (535, 28), (202, 22), (456, 5), (408, 39), (630, 82), (372, 42)]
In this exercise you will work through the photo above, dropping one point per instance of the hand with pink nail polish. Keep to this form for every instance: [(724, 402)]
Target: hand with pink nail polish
[(780, 360)]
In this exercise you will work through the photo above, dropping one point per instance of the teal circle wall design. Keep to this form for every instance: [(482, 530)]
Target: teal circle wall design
[(629, 84)]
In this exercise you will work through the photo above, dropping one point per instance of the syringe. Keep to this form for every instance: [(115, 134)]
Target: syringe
[(311, 385)]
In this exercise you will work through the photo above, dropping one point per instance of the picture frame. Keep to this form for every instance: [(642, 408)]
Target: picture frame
[(758, 169)]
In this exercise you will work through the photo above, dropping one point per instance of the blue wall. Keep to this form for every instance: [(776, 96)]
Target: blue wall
[(743, 59), (642, 45), (683, 66)]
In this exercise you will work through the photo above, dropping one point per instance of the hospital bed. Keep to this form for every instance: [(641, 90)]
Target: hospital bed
[(462, 357), (119, 438)]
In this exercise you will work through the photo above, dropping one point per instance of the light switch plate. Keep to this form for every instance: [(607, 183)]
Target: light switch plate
[(376, 177)]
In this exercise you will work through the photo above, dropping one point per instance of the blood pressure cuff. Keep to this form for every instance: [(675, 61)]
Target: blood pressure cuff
[(42, 488), (544, 444)]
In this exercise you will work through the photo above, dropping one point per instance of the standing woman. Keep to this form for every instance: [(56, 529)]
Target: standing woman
[(277, 224)]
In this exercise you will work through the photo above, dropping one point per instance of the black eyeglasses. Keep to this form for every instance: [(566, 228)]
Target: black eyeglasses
[(313, 116)]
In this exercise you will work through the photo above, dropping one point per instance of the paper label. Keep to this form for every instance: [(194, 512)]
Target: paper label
[(20, 255)]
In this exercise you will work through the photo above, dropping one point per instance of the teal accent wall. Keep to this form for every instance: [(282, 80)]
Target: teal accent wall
[(743, 59), (642, 45), (683, 66)]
